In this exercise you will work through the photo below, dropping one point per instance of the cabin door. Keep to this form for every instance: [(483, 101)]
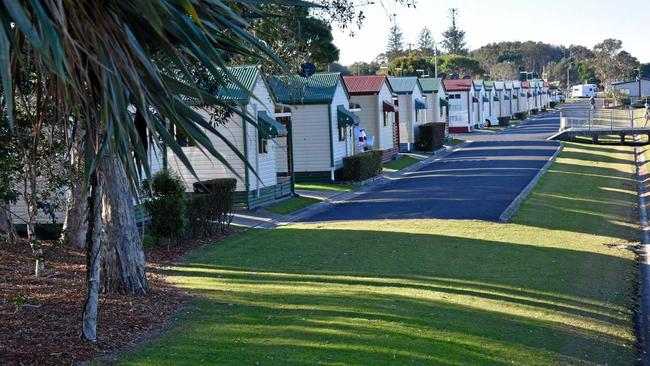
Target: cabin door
[(396, 130)]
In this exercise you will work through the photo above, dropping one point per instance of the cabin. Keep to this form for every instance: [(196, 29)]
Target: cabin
[(412, 110), (321, 125), (546, 94), (436, 98), (499, 95), (490, 106), (526, 97), (374, 95), (518, 97), (635, 89), (253, 137), (460, 94), (508, 99), (479, 101)]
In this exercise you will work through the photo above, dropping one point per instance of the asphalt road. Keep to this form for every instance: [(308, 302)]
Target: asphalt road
[(476, 182)]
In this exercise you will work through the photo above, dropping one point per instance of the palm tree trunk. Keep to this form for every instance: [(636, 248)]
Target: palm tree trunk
[(93, 252), (123, 263)]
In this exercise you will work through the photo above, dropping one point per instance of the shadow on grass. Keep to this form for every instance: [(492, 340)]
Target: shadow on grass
[(355, 297)]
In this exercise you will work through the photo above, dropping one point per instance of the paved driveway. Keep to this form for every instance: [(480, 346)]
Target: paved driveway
[(476, 182)]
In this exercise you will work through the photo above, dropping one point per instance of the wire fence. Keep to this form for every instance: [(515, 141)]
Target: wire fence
[(603, 119)]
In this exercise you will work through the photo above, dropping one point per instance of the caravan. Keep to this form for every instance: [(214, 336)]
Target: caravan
[(584, 91)]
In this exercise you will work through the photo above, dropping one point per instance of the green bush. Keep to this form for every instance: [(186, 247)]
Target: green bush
[(166, 205), (552, 104), (521, 115), (210, 207), (534, 111), (432, 135), (361, 166), (504, 121)]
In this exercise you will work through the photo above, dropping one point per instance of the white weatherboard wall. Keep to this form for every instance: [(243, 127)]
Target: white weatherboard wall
[(408, 127), (459, 114), (438, 112), (311, 136), (372, 117), (345, 148), (208, 167)]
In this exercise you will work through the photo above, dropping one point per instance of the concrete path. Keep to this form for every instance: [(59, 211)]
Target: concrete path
[(478, 181)]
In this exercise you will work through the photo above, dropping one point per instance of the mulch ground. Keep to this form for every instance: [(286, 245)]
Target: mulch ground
[(40, 319)]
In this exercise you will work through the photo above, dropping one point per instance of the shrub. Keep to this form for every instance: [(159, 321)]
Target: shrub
[(521, 115), (552, 104), (362, 166), (534, 111), (210, 207), (504, 121), (166, 204), (432, 136)]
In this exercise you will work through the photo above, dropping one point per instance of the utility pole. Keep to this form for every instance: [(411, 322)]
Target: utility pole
[(435, 60), (567, 78), (410, 46)]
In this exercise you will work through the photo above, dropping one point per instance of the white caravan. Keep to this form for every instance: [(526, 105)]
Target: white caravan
[(584, 91)]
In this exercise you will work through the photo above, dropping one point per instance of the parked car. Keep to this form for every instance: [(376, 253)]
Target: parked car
[(560, 97)]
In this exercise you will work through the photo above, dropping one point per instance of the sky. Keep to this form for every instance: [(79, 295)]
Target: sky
[(585, 22)]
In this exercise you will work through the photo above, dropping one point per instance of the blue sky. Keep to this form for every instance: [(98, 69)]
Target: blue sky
[(565, 22)]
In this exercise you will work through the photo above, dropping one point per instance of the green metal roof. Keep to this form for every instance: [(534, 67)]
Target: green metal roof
[(246, 76), (404, 85), (431, 85), (295, 89), (489, 85)]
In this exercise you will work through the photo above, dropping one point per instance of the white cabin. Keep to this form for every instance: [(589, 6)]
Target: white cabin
[(412, 110)]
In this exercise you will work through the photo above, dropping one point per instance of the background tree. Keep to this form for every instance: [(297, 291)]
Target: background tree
[(8, 193), (453, 39), (426, 43), (611, 62), (364, 68), (395, 46), (461, 65), (506, 70), (409, 65), (645, 70)]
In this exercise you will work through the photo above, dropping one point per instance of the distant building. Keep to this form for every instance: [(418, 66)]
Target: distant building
[(634, 88)]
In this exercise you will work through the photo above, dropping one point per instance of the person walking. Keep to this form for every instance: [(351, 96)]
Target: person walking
[(592, 101), (646, 114)]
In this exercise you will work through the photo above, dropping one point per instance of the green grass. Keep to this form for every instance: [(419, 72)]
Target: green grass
[(326, 187), (550, 288), (400, 164), (292, 205), (514, 122), (454, 142)]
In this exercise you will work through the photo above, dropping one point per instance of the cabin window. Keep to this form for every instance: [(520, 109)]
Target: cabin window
[(263, 145), (385, 119), (342, 134), (454, 96)]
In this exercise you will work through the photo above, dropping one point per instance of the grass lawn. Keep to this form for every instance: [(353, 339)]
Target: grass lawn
[(326, 187), (400, 164), (551, 288), (292, 205), (454, 142)]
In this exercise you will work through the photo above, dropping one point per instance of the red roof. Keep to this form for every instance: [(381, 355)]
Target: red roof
[(525, 85), (364, 85), (457, 85)]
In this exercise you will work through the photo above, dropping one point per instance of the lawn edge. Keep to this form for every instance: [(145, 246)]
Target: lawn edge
[(641, 320), (513, 207)]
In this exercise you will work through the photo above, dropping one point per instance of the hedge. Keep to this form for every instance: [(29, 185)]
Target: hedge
[(432, 136), (361, 166), (504, 121), (552, 104), (521, 115), (534, 111), (209, 209), (166, 204)]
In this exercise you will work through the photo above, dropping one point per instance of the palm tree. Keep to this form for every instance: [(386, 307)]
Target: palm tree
[(106, 62)]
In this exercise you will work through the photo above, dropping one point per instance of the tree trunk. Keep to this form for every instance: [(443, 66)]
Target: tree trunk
[(123, 264), (7, 229), (74, 228), (93, 252), (37, 250)]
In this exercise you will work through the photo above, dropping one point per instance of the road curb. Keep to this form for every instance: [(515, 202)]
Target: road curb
[(371, 185), (506, 215), (643, 312)]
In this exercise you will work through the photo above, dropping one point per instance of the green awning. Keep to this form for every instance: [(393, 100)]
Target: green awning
[(495, 98), (345, 117), (268, 127), (485, 99), (419, 104), (506, 97), (444, 102)]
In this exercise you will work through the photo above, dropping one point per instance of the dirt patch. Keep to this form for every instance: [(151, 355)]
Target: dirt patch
[(40, 319)]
